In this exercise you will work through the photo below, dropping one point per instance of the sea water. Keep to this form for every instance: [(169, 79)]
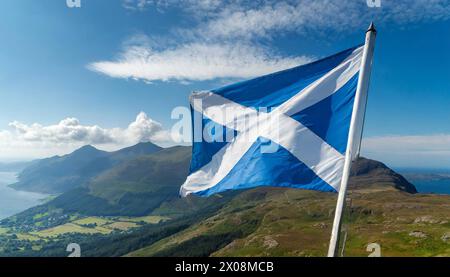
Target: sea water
[(13, 201)]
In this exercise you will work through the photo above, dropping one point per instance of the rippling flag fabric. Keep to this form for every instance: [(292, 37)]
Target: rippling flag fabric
[(304, 111)]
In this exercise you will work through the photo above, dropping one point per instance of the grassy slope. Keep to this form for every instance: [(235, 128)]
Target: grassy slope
[(158, 173), (298, 223)]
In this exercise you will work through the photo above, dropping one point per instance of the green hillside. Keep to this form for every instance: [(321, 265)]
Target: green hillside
[(383, 207), (289, 222), (158, 175), (134, 187)]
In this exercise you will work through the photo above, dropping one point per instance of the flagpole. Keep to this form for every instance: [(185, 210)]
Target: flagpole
[(355, 134)]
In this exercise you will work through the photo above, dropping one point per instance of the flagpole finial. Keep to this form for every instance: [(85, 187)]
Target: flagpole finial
[(372, 28)]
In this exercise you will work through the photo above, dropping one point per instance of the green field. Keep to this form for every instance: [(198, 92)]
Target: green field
[(28, 237), (122, 225), (99, 221), (69, 228), (151, 219), (84, 226)]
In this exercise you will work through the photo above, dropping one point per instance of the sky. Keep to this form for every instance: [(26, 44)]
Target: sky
[(110, 73)]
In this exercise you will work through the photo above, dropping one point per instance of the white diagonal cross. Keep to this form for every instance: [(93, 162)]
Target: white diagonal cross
[(325, 161)]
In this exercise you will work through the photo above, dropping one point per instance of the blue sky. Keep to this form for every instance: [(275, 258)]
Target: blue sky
[(94, 69)]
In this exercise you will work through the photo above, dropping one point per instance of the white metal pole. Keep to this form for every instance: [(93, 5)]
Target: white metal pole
[(354, 138)]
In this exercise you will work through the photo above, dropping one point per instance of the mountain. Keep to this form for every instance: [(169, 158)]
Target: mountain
[(117, 184), (130, 186), (366, 173), (134, 187), (59, 174), (142, 148), (138, 186)]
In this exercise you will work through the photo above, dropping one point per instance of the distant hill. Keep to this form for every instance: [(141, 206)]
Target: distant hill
[(137, 187), (131, 186), (134, 187), (59, 174), (366, 173), (149, 183)]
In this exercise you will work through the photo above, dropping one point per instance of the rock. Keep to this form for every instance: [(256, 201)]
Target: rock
[(446, 237), (418, 234), (321, 225), (402, 219), (426, 219), (269, 242)]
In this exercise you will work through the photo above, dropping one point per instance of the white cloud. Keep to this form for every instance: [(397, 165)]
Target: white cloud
[(410, 151), (136, 4), (224, 39), (196, 61), (272, 17), (244, 18), (199, 6), (36, 141), (268, 20), (67, 130)]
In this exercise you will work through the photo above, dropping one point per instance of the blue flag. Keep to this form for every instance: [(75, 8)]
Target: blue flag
[(286, 129)]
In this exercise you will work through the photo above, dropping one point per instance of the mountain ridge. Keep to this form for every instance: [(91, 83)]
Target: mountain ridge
[(369, 172), (146, 183), (59, 174)]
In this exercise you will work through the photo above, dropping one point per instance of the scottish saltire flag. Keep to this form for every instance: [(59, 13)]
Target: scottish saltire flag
[(286, 129)]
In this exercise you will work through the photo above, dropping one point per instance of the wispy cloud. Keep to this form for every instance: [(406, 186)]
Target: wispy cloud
[(135, 5), (226, 37), (197, 6), (272, 17), (410, 151), (266, 18), (196, 61), (26, 141)]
